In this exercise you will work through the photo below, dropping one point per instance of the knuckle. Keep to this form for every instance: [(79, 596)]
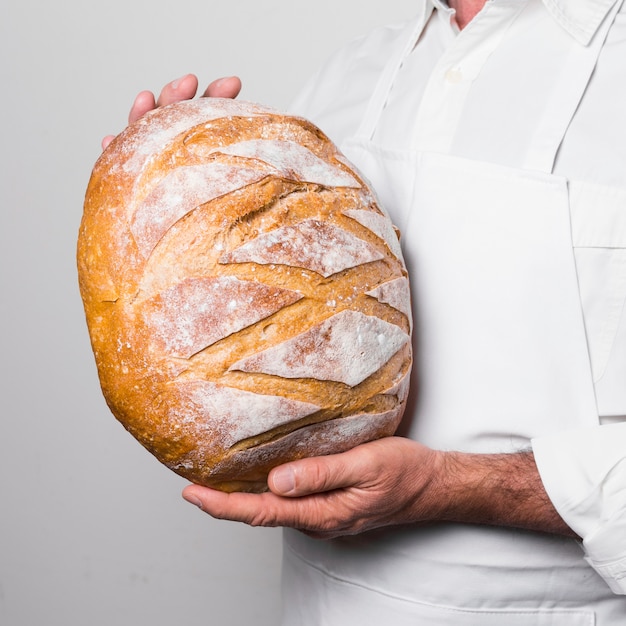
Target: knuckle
[(265, 517), (321, 476)]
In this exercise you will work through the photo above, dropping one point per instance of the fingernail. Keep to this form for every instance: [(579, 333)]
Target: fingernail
[(224, 79), (174, 84), (284, 480), (193, 500)]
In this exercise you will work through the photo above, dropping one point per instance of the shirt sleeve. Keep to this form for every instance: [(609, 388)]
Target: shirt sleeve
[(584, 473)]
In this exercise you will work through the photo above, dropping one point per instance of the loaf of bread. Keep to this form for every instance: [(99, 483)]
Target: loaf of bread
[(245, 295)]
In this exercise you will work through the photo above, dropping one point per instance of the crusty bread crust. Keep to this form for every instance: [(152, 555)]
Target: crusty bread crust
[(246, 297)]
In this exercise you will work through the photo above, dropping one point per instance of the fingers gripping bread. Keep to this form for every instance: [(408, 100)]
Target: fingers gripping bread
[(246, 298)]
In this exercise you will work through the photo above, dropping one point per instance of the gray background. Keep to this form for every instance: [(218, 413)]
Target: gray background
[(92, 529)]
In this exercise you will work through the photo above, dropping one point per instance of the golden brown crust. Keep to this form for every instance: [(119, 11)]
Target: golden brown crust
[(245, 296)]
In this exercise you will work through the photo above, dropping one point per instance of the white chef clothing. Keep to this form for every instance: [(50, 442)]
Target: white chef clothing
[(477, 94)]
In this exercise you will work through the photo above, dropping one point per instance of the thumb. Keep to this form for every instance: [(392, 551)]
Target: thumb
[(312, 475)]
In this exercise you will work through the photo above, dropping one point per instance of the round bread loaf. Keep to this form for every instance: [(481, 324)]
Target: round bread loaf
[(245, 295)]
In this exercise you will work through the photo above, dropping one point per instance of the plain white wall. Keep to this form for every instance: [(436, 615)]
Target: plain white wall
[(92, 529)]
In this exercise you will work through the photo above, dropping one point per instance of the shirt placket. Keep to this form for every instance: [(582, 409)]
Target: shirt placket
[(451, 81)]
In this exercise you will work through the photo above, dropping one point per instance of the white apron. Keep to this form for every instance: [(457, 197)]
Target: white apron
[(500, 357)]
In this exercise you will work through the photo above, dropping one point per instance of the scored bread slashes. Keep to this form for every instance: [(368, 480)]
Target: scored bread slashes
[(245, 295)]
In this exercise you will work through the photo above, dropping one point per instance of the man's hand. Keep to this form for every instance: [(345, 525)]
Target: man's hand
[(387, 482), (183, 88), (373, 485)]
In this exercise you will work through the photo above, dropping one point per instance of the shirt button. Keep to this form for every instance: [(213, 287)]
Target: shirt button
[(454, 76)]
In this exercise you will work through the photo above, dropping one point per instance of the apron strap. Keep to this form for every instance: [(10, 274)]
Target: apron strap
[(406, 42), (550, 132)]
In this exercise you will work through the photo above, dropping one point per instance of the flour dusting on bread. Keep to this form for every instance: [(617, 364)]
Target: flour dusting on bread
[(246, 296)]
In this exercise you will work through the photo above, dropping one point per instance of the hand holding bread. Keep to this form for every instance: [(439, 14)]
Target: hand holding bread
[(183, 88)]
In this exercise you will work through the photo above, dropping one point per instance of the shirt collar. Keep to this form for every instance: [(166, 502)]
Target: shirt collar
[(580, 18), (443, 9)]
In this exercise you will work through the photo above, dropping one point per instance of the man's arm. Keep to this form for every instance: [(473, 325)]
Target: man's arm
[(392, 481)]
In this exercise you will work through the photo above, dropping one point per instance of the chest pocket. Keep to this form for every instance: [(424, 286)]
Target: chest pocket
[(598, 216)]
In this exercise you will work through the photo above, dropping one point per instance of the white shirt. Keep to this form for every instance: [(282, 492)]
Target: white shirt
[(478, 94)]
